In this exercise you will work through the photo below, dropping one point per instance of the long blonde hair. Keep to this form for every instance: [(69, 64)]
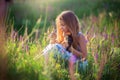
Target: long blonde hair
[(72, 22)]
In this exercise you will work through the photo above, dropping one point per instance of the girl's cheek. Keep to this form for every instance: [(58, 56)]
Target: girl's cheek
[(61, 28)]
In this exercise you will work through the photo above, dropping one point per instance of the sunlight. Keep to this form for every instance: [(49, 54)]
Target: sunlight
[(29, 49)]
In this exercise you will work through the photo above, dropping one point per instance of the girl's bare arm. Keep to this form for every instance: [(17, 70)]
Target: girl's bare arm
[(83, 48)]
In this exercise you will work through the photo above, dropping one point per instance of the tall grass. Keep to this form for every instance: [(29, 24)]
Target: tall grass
[(25, 60)]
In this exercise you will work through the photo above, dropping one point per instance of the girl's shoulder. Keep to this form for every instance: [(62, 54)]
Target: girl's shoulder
[(82, 37), (80, 34)]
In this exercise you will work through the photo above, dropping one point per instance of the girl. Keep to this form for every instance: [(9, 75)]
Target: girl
[(68, 24)]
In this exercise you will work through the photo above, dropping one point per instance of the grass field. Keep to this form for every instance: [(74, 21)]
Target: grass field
[(27, 36)]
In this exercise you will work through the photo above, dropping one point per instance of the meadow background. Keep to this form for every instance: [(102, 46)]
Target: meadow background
[(28, 24)]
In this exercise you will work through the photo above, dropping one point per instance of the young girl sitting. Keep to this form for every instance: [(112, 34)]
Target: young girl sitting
[(70, 39)]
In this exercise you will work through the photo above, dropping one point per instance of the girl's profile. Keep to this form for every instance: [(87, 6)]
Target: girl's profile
[(70, 38)]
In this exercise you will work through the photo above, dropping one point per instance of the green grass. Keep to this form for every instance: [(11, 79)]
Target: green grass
[(24, 60), (26, 63)]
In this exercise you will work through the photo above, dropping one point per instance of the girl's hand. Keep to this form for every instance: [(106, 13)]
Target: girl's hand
[(65, 44), (71, 49), (65, 41), (75, 52)]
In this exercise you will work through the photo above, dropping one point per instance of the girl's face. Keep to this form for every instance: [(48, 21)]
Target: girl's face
[(64, 27)]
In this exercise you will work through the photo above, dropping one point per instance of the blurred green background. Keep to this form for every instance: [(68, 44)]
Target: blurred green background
[(26, 12), (20, 52)]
